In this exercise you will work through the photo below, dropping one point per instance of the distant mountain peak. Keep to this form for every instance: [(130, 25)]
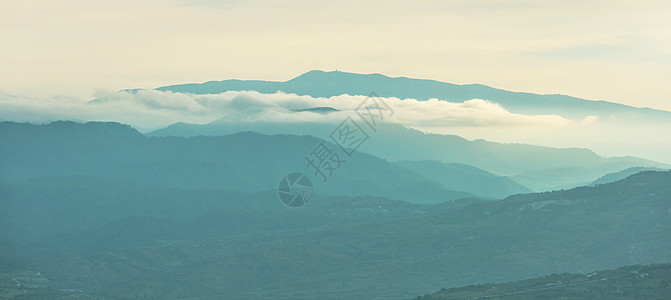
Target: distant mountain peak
[(322, 73), (319, 83), (319, 110)]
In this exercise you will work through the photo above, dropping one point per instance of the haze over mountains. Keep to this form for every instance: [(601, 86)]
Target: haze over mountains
[(539, 168), (469, 111), (488, 149), (101, 210), (241, 161), (116, 239), (630, 130), (112, 150)]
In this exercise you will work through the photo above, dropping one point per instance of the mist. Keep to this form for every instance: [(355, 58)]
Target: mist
[(148, 110)]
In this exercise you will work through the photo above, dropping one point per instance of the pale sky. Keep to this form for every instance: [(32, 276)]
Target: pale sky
[(618, 51)]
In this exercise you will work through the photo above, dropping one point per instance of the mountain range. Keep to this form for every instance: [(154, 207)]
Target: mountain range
[(99, 210), (216, 161), (242, 161), (327, 84), (536, 167)]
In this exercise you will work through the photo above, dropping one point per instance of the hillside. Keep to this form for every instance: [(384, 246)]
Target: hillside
[(631, 282), (465, 177), (237, 245), (215, 160), (244, 161), (536, 167), (612, 177)]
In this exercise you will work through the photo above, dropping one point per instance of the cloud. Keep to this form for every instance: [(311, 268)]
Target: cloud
[(589, 120), (471, 113), (473, 119), (147, 109)]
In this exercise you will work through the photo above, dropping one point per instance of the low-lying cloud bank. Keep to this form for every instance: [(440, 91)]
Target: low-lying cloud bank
[(148, 109)]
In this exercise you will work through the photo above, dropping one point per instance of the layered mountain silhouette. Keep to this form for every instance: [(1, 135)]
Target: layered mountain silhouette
[(615, 176), (102, 211), (244, 161), (464, 177), (536, 167), (240, 160)]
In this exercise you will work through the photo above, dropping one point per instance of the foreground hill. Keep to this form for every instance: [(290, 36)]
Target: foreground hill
[(327, 84), (631, 282), (167, 243), (75, 213)]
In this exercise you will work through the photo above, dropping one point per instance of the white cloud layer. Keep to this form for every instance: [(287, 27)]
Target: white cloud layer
[(147, 109), (474, 119)]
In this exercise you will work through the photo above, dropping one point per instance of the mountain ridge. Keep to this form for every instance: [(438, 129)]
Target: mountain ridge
[(232, 161), (394, 142), (318, 83)]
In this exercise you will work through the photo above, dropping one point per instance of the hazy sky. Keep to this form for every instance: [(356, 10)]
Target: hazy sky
[(612, 50)]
